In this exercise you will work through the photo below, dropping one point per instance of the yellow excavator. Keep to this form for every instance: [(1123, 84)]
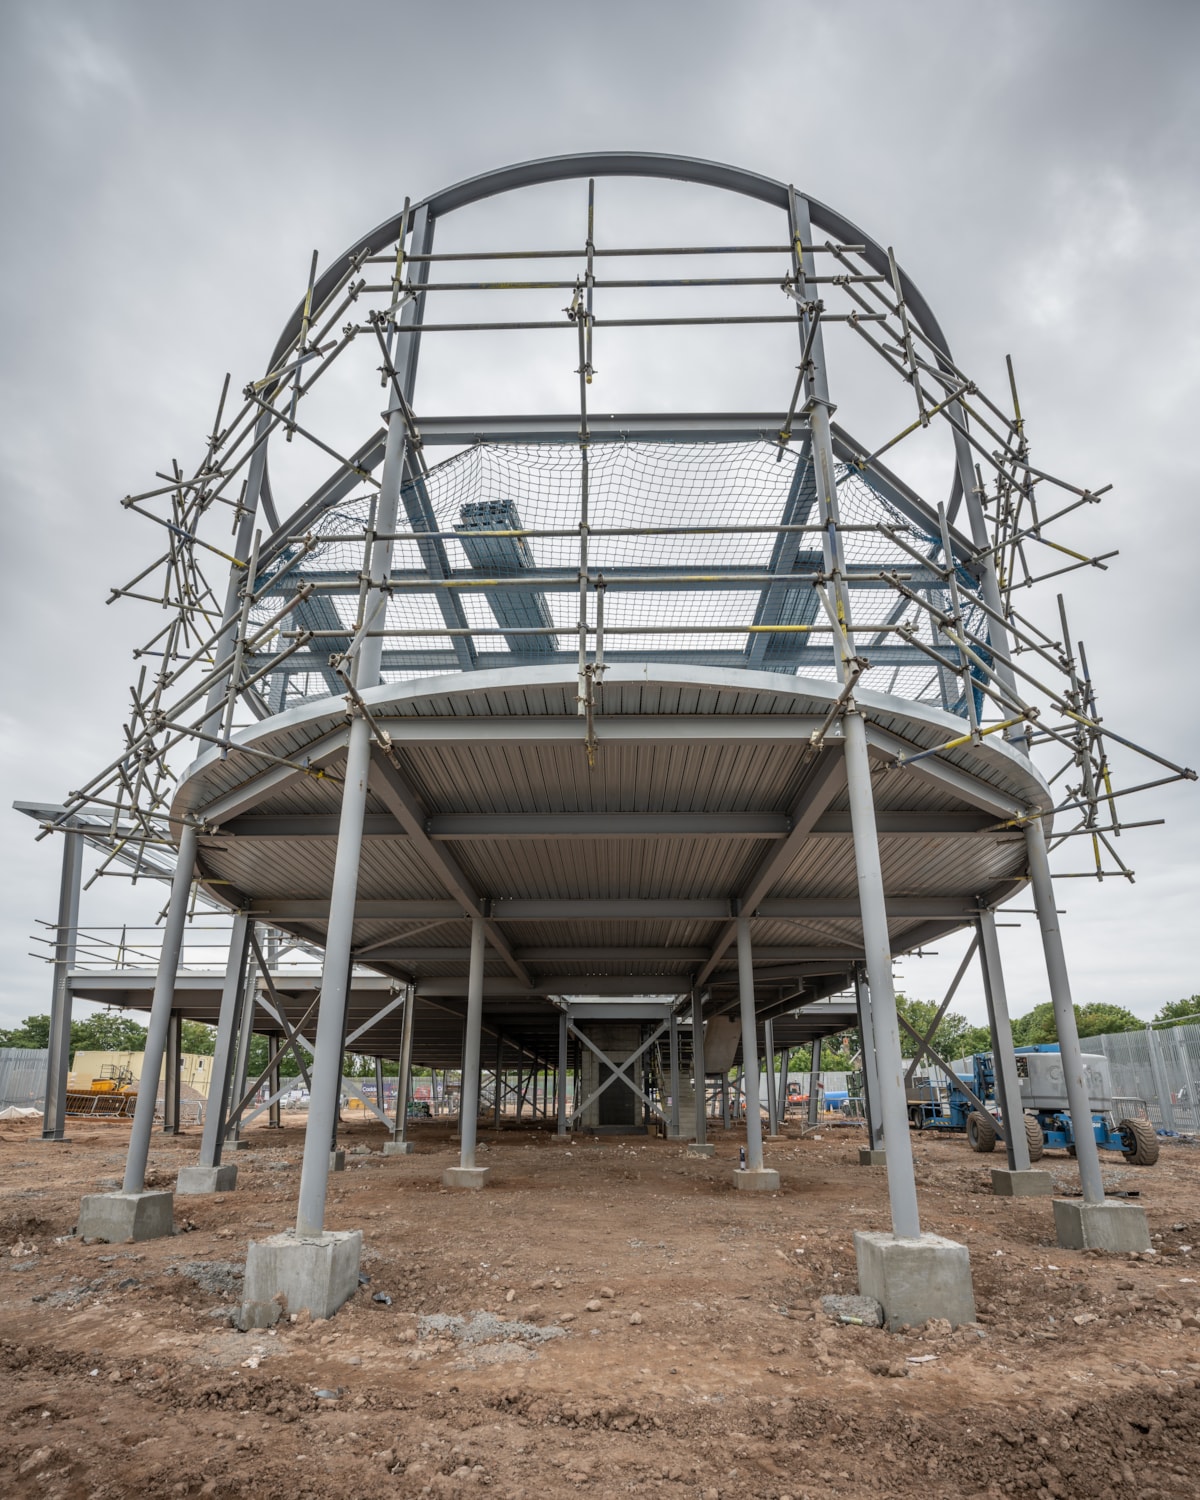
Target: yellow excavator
[(112, 1095)]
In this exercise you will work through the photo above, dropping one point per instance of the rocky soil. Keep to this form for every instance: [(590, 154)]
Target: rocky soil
[(606, 1318)]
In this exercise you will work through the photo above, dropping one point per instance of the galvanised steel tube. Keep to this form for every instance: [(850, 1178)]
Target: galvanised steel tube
[(335, 986), (1042, 886), (902, 1189), (469, 1096), (698, 1067), (754, 1150), (1004, 1062), (160, 1012)]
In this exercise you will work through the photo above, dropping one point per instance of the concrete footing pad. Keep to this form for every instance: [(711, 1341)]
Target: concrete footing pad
[(240, 1144), (222, 1179), (1119, 1227), (699, 1148), (118, 1217), (765, 1180), (868, 1157), (915, 1280), (1029, 1184), (337, 1161), (465, 1177), (287, 1272), (397, 1148)]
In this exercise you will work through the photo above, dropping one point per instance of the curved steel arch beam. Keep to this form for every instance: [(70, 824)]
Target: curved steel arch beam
[(650, 164), (614, 164)]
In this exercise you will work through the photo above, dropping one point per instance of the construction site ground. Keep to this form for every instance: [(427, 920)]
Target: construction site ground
[(607, 1318)]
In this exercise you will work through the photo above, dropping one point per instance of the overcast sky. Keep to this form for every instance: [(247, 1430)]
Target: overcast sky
[(167, 170)]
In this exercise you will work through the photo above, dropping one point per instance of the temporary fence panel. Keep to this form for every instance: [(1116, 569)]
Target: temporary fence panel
[(23, 1077)]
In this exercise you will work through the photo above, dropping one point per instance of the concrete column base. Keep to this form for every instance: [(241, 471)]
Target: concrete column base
[(764, 1180), (337, 1161), (222, 1179), (869, 1157), (1032, 1183), (316, 1274), (237, 1144), (915, 1280), (465, 1177), (1119, 1227), (397, 1148), (118, 1217), (54, 1140), (701, 1148)]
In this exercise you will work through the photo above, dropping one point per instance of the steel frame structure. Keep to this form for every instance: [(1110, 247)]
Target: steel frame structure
[(435, 736)]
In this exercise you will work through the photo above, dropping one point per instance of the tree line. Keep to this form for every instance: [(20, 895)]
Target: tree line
[(111, 1031)]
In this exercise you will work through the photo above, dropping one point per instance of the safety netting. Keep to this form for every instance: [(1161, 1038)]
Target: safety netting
[(704, 552)]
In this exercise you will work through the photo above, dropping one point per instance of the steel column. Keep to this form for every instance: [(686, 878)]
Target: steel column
[(814, 1083), (673, 1055), (866, 1033), (274, 1086), (1078, 1103), (902, 1190), (698, 1067), (772, 1095), (725, 1101), (404, 1081), (160, 1012), (174, 1074), (241, 1066), (469, 1093), (563, 1057), (1004, 1062), (220, 1082), (58, 1060), (785, 1058), (498, 1086), (745, 955)]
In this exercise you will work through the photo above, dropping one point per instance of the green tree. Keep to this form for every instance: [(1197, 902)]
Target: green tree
[(955, 1036), (1099, 1018), (1179, 1012), (34, 1031), (107, 1031), (199, 1039)]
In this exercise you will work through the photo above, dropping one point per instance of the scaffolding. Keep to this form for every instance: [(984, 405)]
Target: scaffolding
[(319, 581)]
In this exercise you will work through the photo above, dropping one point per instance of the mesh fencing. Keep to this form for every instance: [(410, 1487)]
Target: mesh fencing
[(692, 544), (23, 1077), (1161, 1068)]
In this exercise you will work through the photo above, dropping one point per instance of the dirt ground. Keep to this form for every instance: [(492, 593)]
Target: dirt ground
[(605, 1318)]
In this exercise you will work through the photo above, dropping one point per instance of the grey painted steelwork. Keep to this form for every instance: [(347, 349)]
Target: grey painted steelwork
[(754, 1148), (1008, 1088), (699, 1077), (902, 1192), (1042, 887), (468, 1116), (732, 768), (160, 1015), (54, 1117), (870, 1064)]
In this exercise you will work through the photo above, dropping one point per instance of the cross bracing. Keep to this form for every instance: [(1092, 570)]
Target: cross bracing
[(718, 707)]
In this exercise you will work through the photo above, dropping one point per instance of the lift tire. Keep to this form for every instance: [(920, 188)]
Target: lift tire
[(981, 1132), (1139, 1142), (1034, 1137), (916, 1119)]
